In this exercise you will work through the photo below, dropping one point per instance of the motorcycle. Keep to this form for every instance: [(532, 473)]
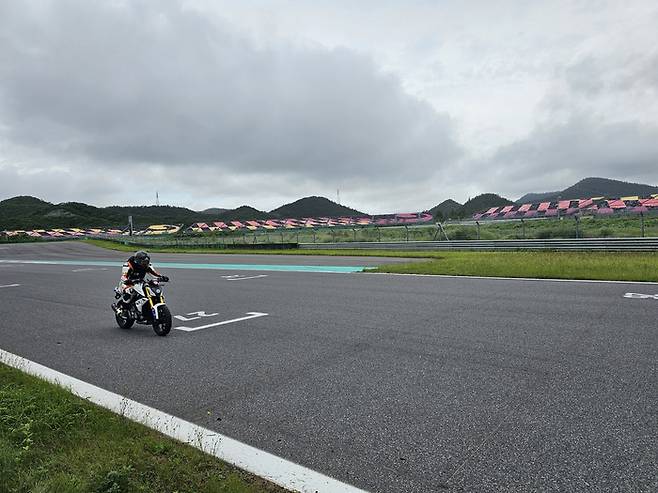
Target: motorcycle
[(146, 306)]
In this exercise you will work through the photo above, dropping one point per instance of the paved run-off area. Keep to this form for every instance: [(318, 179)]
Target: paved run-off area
[(390, 383)]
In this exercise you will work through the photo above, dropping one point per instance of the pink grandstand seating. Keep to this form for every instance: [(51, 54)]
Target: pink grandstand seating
[(616, 204), (595, 205)]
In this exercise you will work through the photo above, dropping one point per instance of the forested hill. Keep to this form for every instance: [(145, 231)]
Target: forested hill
[(593, 187), (25, 212), (314, 207)]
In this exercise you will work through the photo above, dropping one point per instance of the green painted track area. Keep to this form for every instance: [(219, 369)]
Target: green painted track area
[(340, 269)]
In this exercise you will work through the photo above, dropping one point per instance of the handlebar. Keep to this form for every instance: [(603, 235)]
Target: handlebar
[(158, 279)]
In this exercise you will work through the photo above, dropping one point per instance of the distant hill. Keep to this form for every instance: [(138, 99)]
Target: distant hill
[(213, 211), (26, 212), (481, 203), (593, 187), (445, 209), (537, 197), (314, 207), (242, 213)]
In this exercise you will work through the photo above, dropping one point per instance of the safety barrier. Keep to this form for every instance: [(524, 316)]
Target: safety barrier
[(582, 244)]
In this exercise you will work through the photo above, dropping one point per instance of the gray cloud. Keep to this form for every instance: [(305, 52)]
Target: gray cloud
[(218, 104), (600, 118), (132, 83), (558, 156)]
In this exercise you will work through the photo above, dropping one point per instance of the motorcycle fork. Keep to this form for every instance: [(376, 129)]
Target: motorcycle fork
[(149, 295)]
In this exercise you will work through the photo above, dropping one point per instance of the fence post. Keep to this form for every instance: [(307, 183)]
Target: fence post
[(333, 235), (298, 237), (522, 226), (379, 234), (354, 231), (642, 223), (577, 224), (406, 228), (281, 236), (314, 235), (477, 224)]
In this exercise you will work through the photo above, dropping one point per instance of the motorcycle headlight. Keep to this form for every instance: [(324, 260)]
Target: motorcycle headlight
[(157, 291)]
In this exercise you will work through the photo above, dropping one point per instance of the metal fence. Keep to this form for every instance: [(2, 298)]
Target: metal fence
[(584, 244)]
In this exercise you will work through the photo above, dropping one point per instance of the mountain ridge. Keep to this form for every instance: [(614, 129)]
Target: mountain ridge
[(592, 187), (314, 206), (25, 212)]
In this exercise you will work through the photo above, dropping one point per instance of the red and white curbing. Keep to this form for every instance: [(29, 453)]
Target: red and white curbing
[(263, 464)]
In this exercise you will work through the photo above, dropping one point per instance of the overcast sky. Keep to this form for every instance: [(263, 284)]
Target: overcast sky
[(400, 105)]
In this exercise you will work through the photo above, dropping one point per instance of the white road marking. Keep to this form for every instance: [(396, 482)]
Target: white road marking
[(249, 316), (444, 276), (241, 278), (87, 269), (10, 286), (268, 466), (639, 296), (199, 315)]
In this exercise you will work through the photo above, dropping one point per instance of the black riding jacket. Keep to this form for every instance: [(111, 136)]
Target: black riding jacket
[(135, 272)]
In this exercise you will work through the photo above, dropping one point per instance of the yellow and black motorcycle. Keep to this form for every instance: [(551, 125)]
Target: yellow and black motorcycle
[(144, 305)]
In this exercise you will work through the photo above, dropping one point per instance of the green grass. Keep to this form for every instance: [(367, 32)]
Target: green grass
[(543, 265), (52, 441), (609, 266), (113, 245)]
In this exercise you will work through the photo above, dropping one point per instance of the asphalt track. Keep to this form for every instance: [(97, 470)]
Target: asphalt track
[(390, 383)]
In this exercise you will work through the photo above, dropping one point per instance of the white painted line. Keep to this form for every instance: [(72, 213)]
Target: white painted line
[(10, 286), (639, 296), (198, 316), (268, 466), (249, 316), (87, 269), (446, 276), (239, 278)]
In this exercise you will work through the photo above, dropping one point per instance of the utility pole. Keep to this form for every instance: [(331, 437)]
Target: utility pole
[(157, 199), (338, 196), (130, 225)]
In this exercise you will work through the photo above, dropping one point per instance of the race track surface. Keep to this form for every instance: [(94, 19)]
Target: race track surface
[(390, 383)]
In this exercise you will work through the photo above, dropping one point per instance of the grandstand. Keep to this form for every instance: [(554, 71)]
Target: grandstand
[(315, 222), (599, 206), (402, 219)]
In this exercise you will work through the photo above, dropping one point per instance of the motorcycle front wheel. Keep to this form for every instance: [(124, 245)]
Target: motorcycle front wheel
[(162, 326), (124, 322)]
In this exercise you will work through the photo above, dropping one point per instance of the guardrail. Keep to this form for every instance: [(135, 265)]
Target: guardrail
[(573, 244), (582, 244)]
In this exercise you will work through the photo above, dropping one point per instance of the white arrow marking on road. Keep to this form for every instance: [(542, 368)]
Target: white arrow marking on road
[(10, 286), (640, 296), (250, 315), (238, 278), (199, 315)]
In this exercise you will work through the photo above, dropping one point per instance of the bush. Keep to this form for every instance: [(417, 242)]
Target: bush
[(462, 234)]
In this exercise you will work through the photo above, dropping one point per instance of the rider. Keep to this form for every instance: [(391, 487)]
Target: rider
[(134, 270)]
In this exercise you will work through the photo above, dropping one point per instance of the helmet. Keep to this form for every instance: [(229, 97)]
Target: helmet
[(142, 259)]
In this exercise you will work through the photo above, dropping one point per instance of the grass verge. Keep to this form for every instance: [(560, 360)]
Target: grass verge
[(605, 266), (112, 245), (544, 265), (53, 441)]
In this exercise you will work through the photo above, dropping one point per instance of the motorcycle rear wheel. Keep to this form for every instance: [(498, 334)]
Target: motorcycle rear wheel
[(162, 326)]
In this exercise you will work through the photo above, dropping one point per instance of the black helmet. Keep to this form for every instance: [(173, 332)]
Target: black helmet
[(142, 259)]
